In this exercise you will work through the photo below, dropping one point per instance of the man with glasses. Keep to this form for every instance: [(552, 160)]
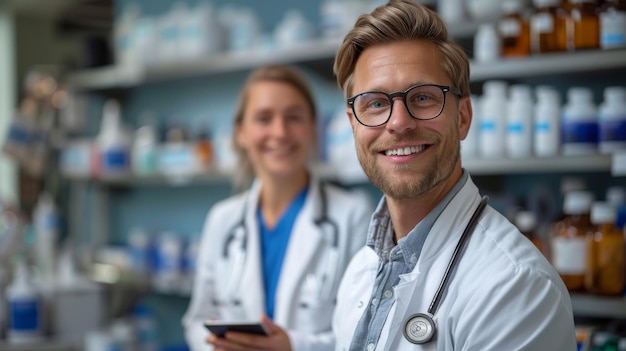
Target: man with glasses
[(440, 270)]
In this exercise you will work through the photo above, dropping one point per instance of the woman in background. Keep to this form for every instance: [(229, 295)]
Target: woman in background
[(276, 252)]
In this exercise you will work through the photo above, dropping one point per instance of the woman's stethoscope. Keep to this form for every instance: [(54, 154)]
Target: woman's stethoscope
[(420, 328), (239, 232)]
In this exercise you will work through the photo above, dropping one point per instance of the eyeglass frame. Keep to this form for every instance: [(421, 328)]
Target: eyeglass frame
[(403, 94)]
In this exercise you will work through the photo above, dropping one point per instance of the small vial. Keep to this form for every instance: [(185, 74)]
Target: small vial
[(519, 114), (612, 120), (547, 114), (514, 30), (568, 240), (613, 24), (582, 25), (580, 123), (547, 27), (606, 266)]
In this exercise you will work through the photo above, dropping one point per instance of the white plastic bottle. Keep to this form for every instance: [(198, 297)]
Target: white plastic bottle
[(546, 120), (46, 220), (469, 145), (487, 43), (113, 143), (492, 119), (24, 307), (580, 123), (519, 121), (612, 120), (613, 25)]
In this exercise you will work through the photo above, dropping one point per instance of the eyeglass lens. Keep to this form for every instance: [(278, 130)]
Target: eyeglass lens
[(422, 102)]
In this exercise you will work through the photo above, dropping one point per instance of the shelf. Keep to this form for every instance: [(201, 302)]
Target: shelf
[(44, 345), (585, 164), (213, 178), (549, 64), (323, 50), (599, 306)]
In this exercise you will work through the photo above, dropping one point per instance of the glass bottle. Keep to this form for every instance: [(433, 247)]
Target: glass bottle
[(547, 27), (514, 30), (606, 256), (204, 151), (568, 241), (582, 25)]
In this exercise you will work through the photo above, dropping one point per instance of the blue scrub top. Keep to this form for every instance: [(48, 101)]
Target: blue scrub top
[(274, 243)]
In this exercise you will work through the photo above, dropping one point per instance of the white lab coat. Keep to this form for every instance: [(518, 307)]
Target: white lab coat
[(297, 305), (504, 296)]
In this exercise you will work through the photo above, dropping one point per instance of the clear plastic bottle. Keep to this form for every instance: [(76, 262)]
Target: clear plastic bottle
[(547, 27), (568, 240), (579, 123), (514, 30), (547, 114), (519, 117), (613, 24), (612, 120), (492, 119), (606, 258), (582, 25)]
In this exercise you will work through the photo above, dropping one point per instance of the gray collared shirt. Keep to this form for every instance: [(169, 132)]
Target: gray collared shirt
[(394, 261)]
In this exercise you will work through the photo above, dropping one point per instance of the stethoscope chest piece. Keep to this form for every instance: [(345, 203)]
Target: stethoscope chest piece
[(419, 328)]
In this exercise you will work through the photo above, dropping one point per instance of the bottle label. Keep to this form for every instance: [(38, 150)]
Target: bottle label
[(613, 130), (580, 132), (569, 255), (114, 160), (542, 23), (24, 315), (515, 128)]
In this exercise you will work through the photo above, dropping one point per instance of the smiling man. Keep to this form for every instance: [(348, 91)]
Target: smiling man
[(441, 269)]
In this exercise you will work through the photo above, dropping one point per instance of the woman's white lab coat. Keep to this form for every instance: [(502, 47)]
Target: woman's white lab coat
[(298, 308), (504, 295)]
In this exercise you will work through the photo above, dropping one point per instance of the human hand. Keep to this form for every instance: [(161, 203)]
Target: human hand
[(277, 340)]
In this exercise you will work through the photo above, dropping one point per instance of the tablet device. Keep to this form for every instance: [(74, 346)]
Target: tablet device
[(220, 328)]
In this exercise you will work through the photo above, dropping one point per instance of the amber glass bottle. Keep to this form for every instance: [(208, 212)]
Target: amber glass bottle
[(547, 27), (606, 258), (514, 30), (582, 25), (568, 240)]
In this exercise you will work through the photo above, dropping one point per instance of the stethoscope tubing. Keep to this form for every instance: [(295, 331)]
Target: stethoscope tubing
[(453, 263)]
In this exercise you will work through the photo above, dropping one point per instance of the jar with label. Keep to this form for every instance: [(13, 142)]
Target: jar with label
[(579, 129), (547, 27), (547, 117), (583, 25), (514, 30), (613, 24), (568, 240), (606, 257)]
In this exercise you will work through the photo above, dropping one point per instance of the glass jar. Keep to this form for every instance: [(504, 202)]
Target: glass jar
[(606, 256), (547, 27), (514, 30), (568, 240)]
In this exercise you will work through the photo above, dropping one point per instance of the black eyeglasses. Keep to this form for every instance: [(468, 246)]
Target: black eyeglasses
[(424, 101)]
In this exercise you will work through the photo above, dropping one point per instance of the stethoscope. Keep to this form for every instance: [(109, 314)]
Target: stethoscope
[(420, 328), (239, 232)]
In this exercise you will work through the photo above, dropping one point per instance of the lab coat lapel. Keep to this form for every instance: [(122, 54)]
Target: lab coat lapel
[(416, 290), (251, 287), (304, 242)]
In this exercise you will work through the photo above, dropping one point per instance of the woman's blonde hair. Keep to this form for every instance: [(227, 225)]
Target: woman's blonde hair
[(274, 73), (400, 20)]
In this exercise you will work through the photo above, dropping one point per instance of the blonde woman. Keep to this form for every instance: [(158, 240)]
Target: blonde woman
[(276, 252)]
